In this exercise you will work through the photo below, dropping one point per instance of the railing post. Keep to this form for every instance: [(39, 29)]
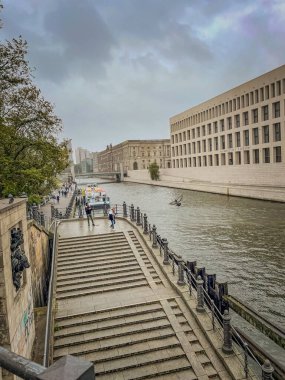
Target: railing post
[(200, 295), (154, 237), (145, 225), (267, 370), (181, 280), (52, 210), (166, 255), (228, 341), (138, 217), (132, 212)]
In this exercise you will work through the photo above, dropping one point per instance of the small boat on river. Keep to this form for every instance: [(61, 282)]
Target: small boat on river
[(97, 198)]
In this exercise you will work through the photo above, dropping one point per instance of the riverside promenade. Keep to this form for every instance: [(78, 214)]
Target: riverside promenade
[(118, 306)]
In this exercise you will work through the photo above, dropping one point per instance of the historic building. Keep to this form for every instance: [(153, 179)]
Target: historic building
[(134, 155), (237, 136)]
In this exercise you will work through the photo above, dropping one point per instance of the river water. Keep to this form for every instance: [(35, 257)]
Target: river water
[(241, 240)]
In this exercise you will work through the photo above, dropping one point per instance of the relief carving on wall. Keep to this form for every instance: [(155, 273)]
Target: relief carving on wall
[(18, 258)]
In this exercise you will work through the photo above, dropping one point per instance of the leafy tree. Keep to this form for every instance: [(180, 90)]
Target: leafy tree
[(30, 154), (154, 171)]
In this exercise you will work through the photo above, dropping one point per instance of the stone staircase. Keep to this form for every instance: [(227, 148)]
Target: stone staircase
[(149, 339)]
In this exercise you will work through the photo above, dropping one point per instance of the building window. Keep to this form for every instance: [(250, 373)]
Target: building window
[(230, 141), (210, 145), (238, 158), (230, 158), (188, 134), (256, 156), (204, 146), (198, 131), (255, 115), (255, 136), (246, 157), (223, 144), (223, 159), (194, 161), (265, 133), (204, 160), (210, 160), (245, 118), (276, 109), (216, 142), (237, 139), (222, 125), (246, 137), (215, 127), (237, 121), (216, 159), (209, 129), (203, 130), (265, 113), (229, 122), (194, 147), (199, 147), (277, 132), (266, 155), (193, 133), (199, 161), (189, 148), (277, 154)]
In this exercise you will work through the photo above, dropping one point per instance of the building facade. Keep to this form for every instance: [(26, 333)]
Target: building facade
[(134, 155), (82, 154), (238, 136)]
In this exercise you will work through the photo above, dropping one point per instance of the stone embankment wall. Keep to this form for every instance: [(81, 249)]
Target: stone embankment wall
[(260, 183), (39, 248), (17, 328)]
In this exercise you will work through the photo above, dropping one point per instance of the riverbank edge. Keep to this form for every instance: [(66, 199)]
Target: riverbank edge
[(254, 192)]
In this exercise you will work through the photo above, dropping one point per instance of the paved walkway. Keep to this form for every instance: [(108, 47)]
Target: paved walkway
[(119, 307)]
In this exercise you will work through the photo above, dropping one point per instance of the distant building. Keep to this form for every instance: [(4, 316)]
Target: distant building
[(95, 162), (82, 154), (134, 155), (237, 137)]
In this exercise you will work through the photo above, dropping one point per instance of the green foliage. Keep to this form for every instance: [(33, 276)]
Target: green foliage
[(30, 154), (154, 171)]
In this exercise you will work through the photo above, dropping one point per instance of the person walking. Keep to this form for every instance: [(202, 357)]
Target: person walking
[(111, 217), (88, 210)]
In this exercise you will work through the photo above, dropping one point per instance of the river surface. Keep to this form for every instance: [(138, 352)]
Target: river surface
[(241, 240)]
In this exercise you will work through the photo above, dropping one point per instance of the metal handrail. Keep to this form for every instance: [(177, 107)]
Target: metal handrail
[(46, 356)]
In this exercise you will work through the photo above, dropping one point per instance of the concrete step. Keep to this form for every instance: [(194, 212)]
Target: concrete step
[(104, 323), (136, 330), (144, 365), (87, 278), (122, 345), (116, 256), (95, 237), (94, 261), (66, 295), (104, 281), (94, 266), (78, 250)]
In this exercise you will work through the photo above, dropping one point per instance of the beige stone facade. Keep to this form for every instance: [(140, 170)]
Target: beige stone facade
[(17, 329), (135, 155), (236, 137)]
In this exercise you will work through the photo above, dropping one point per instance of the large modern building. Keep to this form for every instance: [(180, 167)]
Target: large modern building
[(134, 155), (235, 137)]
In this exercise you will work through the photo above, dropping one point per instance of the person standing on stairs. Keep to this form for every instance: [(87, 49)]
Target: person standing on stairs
[(88, 210), (111, 217)]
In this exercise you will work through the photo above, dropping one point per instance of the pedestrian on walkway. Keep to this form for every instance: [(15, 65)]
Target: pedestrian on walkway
[(57, 198), (111, 217), (88, 210)]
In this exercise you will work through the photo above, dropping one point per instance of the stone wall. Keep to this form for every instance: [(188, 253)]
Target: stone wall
[(265, 183), (17, 329), (40, 262)]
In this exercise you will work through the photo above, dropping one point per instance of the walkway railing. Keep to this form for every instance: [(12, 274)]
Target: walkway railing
[(199, 288)]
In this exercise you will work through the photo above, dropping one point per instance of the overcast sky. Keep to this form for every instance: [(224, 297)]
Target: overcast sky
[(119, 69)]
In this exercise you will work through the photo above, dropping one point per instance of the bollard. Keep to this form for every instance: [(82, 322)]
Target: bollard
[(228, 341), (166, 255), (181, 280), (154, 237), (200, 295), (42, 215), (145, 225), (132, 213), (267, 370), (138, 217)]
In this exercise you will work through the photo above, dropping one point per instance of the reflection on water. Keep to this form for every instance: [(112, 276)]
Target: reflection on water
[(241, 240)]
